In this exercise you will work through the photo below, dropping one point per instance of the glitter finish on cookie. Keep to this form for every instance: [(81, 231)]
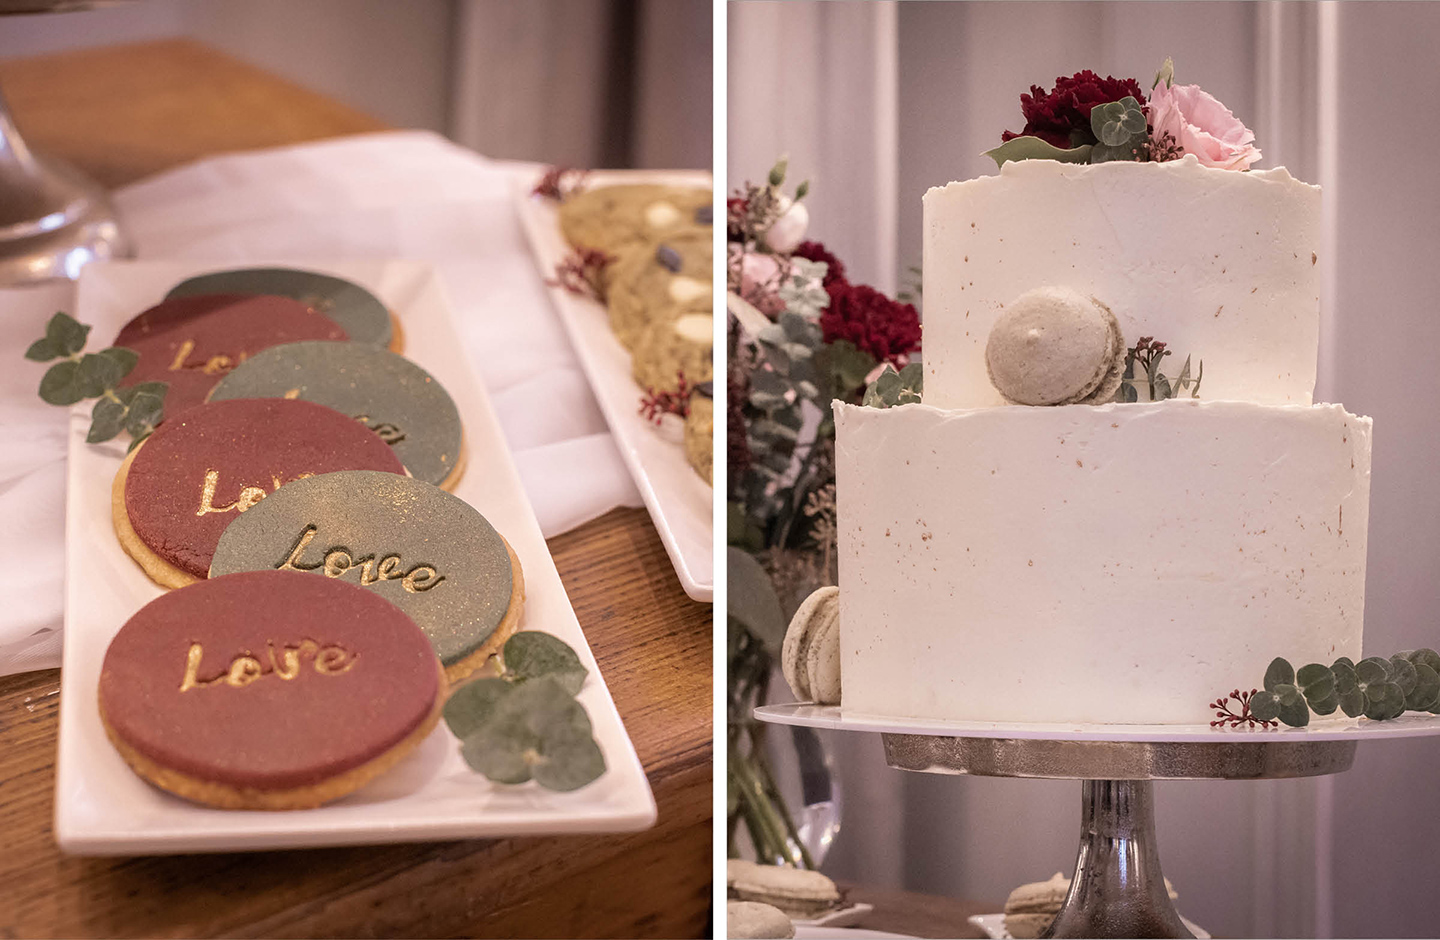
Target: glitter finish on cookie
[(207, 466), (266, 680), (428, 552), (360, 313), (190, 342), (391, 395)]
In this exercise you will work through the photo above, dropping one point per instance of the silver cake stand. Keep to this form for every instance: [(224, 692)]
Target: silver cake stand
[(1118, 889)]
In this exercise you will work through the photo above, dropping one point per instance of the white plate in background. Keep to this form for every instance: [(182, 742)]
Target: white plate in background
[(102, 808), (680, 503)]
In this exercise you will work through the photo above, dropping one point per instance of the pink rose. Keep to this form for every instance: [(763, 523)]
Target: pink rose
[(760, 278), (1202, 125)]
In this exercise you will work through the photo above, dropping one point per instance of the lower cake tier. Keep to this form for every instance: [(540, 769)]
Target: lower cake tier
[(1123, 563)]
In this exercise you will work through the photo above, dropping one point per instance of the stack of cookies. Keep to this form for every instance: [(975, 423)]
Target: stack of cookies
[(329, 588), (657, 289)]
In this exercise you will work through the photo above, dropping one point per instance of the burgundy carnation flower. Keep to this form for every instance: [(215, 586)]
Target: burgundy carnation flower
[(1062, 117), (735, 209), (815, 251), (885, 328)]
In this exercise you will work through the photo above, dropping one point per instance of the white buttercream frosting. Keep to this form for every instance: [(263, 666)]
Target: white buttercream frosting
[(1220, 265), (1120, 563)]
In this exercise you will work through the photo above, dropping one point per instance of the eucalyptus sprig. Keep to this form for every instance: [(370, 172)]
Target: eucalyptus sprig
[(525, 724), (1148, 355), (892, 388), (1121, 128), (80, 375), (1378, 688)]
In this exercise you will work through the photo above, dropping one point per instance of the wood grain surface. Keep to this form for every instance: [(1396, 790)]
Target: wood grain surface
[(120, 114), (912, 914)]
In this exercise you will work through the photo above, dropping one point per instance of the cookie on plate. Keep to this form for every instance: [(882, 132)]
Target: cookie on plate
[(360, 313), (268, 690), (668, 349), (190, 342), (426, 551), (391, 395), (617, 218), (699, 432), (660, 285), (751, 919), (179, 489)]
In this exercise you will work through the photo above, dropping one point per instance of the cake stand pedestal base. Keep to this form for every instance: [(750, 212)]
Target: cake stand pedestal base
[(1118, 889)]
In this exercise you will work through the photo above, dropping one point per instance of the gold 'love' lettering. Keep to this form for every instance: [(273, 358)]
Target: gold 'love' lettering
[(215, 365), (249, 495), (246, 668), (388, 432), (338, 560)]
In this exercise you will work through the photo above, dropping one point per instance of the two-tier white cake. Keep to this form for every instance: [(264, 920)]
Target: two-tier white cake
[(1105, 563)]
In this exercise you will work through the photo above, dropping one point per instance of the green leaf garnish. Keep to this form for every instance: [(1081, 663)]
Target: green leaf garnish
[(1118, 124), (61, 384), (892, 388), (81, 375), (526, 724), (1033, 148), (1375, 687), (531, 654), (106, 421)]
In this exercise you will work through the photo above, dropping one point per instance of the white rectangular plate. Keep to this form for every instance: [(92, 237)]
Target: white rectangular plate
[(101, 808), (680, 503)]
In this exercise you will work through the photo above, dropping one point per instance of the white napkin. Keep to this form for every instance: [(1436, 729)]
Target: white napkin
[(405, 194)]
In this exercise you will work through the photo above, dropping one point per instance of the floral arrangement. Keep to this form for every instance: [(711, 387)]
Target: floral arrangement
[(1089, 119), (800, 334)]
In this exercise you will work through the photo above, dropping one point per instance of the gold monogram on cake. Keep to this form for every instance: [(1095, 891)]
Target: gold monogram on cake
[(244, 669), (338, 560)]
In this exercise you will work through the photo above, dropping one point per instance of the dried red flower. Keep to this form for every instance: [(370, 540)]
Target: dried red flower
[(655, 405), (560, 182), (885, 328), (815, 251), (1062, 116), (582, 273), (1227, 718), (736, 208)]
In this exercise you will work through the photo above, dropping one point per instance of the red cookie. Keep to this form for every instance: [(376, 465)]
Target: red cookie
[(178, 490), (191, 342), (268, 690)]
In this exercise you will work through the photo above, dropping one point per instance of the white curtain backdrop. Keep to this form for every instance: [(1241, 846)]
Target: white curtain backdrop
[(1324, 86)]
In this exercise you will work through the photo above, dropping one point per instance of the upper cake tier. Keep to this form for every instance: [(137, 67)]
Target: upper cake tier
[(1218, 264)]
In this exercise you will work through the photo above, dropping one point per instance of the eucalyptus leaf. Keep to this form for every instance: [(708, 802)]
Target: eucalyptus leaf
[(1353, 703), (66, 333), (753, 603), (1265, 705), (1344, 673), (1278, 673), (43, 350), (1346, 660), (1033, 148), (1294, 710), (1102, 153), (1127, 393), (473, 704), (1384, 701), (1426, 692), (1403, 674), (1315, 680), (531, 654), (123, 358), (144, 413), (1425, 655), (1324, 706), (1117, 123), (61, 384), (499, 753), (1372, 669), (106, 420), (1162, 388), (567, 762), (99, 372)]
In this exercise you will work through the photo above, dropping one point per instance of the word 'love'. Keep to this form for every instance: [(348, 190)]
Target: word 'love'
[(338, 560), (215, 365), (245, 669), (249, 495)]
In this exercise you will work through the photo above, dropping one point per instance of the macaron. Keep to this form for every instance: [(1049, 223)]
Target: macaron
[(810, 655), (1031, 907), (362, 315), (751, 919), (1055, 346), (800, 893)]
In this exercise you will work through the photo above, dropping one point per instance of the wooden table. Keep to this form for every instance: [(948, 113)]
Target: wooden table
[(912, 914), (121, 113)]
